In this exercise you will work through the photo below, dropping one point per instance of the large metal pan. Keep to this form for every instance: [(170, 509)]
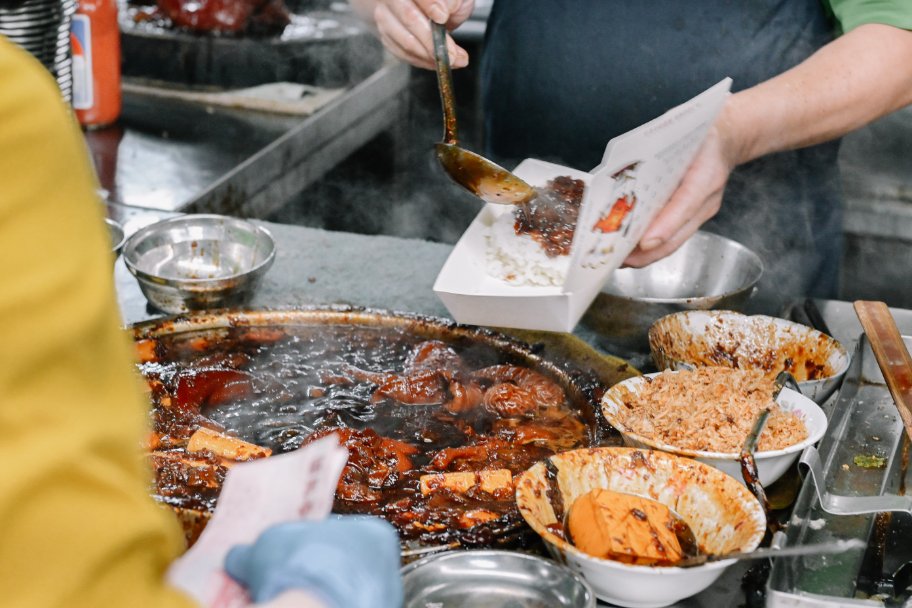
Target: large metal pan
[(581, 372)]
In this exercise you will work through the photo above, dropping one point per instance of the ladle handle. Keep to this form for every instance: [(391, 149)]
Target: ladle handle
[(444, 82)]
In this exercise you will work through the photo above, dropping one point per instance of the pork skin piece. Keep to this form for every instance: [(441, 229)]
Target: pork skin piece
[(225, 446), (475, 517), (227, 16), (493, 481)]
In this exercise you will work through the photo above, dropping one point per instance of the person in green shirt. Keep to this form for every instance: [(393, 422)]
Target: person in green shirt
[(560, 79)]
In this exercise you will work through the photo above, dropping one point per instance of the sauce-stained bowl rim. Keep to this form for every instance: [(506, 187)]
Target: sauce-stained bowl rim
[(740, 320), (525, 495)]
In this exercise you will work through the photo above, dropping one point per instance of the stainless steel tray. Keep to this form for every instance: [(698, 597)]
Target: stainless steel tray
[(864, 422)]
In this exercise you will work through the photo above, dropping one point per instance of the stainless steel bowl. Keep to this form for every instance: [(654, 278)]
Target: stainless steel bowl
[(195, 262), (494, 579), (116, 232), (706, 272)]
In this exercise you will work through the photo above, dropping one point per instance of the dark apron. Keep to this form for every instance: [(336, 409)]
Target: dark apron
[(561, 78)]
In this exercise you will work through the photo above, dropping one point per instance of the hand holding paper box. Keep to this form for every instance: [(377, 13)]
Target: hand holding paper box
[(637, 175)]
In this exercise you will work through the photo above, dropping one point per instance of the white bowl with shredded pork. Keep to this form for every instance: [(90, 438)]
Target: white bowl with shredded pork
[(708, 412)]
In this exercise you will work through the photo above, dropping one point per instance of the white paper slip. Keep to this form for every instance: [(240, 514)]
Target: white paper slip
[(299, 485), (638, 173)]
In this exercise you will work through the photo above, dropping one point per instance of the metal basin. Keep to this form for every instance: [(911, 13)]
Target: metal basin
[(707, 272), (195, 262), (582, 382), (118, 238), (496, 579)]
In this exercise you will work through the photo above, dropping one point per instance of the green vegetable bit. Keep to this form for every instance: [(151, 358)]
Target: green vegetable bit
[(872, 461)]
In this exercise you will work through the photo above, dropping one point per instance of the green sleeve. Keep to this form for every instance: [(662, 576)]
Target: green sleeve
[(852, 13), (78, 527)]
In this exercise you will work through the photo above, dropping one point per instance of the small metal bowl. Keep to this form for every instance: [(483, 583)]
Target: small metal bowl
[(707, 272), (118, 238), (494, 579), (195, 262)]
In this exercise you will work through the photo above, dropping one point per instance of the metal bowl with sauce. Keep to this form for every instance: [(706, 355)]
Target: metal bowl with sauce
[(706, 272), (286, 354), (497, 579), (196, 262)]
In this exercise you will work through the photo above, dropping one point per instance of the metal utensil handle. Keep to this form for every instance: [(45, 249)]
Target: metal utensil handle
[(836, 504), (827, 548), (785, 379), (891, 354), (444, 82), (750, 442), (815, 317), (749, 469)]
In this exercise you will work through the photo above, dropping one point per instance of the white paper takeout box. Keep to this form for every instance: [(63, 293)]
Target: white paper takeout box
[(638, 173)]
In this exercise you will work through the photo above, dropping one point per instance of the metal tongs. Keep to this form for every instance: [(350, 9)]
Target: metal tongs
[(749, 471)]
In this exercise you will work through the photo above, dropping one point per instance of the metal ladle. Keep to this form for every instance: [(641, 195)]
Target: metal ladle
[(486, 180)]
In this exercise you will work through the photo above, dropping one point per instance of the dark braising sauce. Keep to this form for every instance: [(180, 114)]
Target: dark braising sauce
[(405, 407), (550, 216)]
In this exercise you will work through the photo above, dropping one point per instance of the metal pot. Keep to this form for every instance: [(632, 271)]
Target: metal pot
[(584, 387), (707, 272)]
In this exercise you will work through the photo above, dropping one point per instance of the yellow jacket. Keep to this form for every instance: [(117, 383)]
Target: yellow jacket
[(77, 526)]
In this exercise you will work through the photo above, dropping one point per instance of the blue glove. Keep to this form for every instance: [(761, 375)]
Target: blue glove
[(349, 562)]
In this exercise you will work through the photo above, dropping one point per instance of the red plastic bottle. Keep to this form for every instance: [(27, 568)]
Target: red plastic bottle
[(95, 39)]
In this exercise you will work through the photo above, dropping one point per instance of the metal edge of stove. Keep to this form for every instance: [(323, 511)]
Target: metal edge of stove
[(864, 419), (262, 183)]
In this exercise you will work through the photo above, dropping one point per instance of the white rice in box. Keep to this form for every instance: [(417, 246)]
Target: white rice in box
[(521, 260)]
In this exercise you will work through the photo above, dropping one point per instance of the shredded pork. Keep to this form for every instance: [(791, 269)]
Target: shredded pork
[(709, 409)]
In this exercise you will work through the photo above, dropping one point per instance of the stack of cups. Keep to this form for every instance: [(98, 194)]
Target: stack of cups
[(42, 27)]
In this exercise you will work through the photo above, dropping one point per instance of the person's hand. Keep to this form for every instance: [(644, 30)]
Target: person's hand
[(405, 31), (697, 199), (347, 562)]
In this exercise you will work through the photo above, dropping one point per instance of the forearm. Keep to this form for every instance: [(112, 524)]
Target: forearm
[(855, 79)]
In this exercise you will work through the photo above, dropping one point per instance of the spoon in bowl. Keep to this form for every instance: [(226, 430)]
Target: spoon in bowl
[(825, 548), (486, 180)]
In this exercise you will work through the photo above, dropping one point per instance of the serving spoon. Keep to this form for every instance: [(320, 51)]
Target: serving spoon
[(486, 180), (826, 548)]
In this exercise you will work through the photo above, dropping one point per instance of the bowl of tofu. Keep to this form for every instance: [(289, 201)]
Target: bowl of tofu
[(623, 518)]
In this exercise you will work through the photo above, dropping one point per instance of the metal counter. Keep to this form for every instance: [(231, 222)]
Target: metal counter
[(172, 153)]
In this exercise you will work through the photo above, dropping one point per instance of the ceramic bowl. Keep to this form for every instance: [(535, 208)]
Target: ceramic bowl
[(771, 464), (722, 513), (730, 339)]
